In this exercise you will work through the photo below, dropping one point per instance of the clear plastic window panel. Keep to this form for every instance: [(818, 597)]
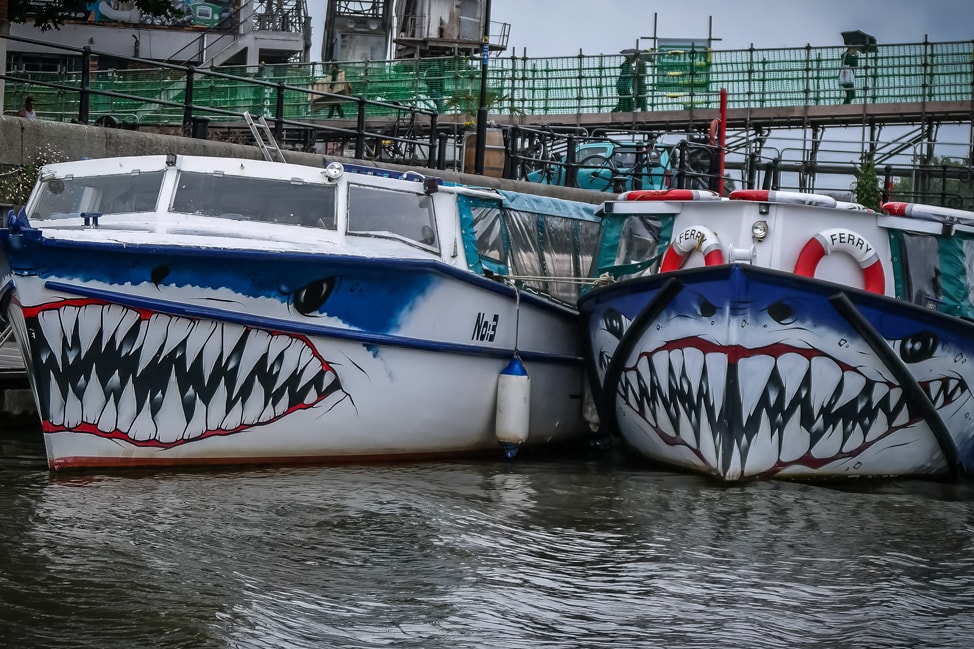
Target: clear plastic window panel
[(490, 236), (921, 270), (115, 194), (588, 241), (968, 245), (525, 251), (639, 241), (559, 258), (384, 212), (255, 199)]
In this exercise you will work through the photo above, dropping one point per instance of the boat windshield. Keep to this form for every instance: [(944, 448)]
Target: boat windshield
[(382, 212), (114, 194), (291, 202)]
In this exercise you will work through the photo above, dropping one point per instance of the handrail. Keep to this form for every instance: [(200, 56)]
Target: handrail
[(193, 78), (415, 96), (674, 80)]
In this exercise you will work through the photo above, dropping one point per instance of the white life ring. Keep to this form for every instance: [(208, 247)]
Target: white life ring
[(853, 244), (669, 195), (853, 207), (928, 212), (773, 196), (696, 237)]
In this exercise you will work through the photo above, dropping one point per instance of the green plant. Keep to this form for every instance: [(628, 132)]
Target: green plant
[(17, 183), (467, 102), (867, 187)]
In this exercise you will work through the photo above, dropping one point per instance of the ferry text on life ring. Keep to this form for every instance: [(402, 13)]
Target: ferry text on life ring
[(669, 195), (772, 196), (696, 237), (842, 240)]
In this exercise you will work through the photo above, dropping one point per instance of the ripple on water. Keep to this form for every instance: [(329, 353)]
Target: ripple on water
[(565, 553)]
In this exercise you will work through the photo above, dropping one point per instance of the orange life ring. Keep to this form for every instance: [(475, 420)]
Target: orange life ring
[(714, 131), (773, 196), (669, 195), (843, 240), (696, 237)]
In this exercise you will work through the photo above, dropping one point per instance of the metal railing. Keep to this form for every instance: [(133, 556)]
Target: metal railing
[(428, 104), (585, 84), (187, 97)]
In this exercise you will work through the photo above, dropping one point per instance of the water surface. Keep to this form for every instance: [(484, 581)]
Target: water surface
[(594, 549)]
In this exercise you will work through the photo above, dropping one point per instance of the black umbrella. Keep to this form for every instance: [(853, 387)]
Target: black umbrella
[(633, 52), (865, 43)]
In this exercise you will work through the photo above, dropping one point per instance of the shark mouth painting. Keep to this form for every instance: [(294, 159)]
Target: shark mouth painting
[(768, 408), (156, 380), (738, 375)]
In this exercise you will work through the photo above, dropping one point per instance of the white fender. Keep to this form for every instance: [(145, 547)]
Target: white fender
[(773, 196), (513, 406), (928, 212)]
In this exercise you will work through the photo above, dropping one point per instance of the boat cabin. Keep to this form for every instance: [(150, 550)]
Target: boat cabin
[(917, 253), (544, 245)]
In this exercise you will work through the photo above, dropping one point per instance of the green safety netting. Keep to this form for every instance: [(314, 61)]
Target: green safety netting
[(669, 78)]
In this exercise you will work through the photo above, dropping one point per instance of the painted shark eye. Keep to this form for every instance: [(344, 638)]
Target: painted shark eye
[(310, 297), (613, 322), (782, 313), (918, 347), (158, 274), (705, 308)]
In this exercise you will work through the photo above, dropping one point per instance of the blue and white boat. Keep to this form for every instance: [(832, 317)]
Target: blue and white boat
[(177, 310), (782, 334)]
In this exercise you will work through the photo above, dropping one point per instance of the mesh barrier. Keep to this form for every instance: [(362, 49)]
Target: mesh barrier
[(662, 80)]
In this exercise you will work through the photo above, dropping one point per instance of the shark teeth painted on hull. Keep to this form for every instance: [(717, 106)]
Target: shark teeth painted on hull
[(763, 413), (159, 380)]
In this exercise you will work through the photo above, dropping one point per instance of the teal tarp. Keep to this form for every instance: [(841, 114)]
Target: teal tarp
[(549, 206)]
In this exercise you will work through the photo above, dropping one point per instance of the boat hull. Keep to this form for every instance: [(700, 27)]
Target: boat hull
[(740, 372), (167, 355)]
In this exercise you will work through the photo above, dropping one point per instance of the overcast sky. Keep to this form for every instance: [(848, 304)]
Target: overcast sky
[(563, 27)]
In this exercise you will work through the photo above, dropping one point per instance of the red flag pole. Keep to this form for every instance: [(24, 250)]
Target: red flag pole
[(723, 138)]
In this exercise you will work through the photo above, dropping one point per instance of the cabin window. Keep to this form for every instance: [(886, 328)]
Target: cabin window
[(380, 212), (489, 232), (530, 245), (588, 241), (568, 245), (525, 250), (921, 269), (629, 244), (114, 194), (639, 244), (255, 199)]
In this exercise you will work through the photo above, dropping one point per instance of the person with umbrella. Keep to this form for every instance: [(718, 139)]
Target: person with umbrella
[(856, 41), (847, 73), (624, 85), (639, 85)]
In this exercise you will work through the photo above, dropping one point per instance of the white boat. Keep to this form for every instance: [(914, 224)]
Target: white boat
[(783, 334), (177, 310)]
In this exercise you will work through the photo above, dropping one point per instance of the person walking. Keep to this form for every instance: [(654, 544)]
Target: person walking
[(639, 84), (847, 73), (338, 86), (624, 86), (28, 111)]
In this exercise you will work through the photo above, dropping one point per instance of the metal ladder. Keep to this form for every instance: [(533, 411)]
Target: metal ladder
[(271, 151)]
